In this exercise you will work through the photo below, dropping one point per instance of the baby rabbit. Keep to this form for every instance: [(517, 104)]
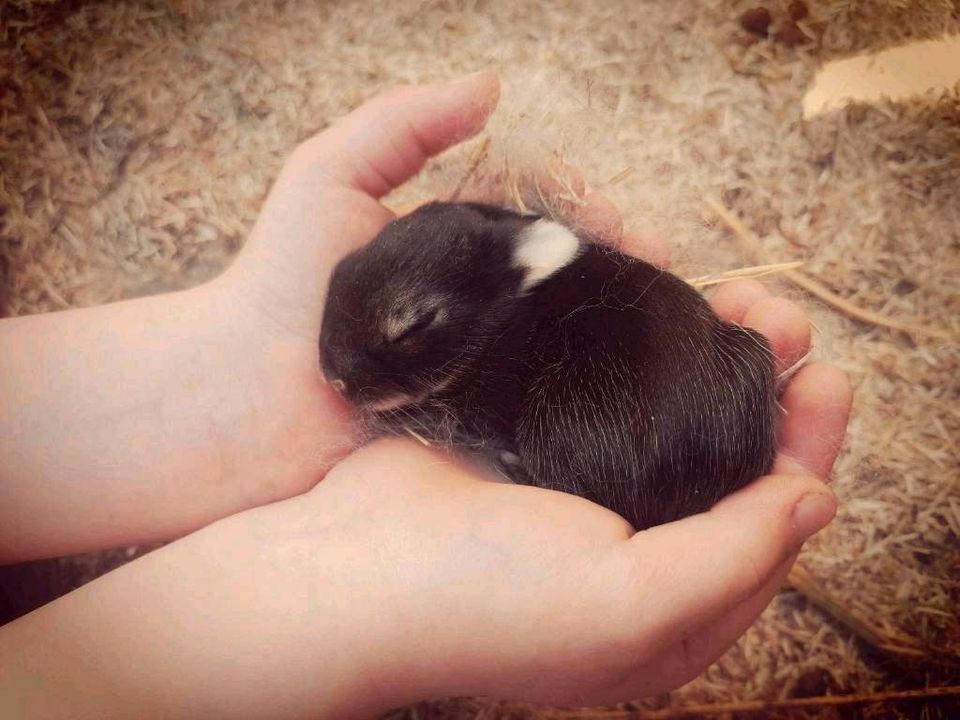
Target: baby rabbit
[(570, 365)]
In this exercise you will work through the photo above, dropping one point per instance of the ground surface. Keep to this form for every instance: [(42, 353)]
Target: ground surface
[(137, 141)]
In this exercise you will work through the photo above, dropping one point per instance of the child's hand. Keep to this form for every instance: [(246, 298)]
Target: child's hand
[(525, 593), (404, 575), (324, 204)]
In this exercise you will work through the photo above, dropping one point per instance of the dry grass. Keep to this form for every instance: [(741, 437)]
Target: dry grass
[(137, 141)]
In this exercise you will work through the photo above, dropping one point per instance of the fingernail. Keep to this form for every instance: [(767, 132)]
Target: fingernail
[(812, 513)]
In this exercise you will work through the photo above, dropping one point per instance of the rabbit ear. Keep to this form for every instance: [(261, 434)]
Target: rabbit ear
[(542, 248)]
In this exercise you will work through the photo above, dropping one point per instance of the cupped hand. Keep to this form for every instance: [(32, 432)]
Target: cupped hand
[(406, 575), (493, 588), (281, 427), (143, 420), (526, 593), (484, 587)]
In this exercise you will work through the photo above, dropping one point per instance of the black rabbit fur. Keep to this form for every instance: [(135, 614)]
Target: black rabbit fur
[(565, 363)]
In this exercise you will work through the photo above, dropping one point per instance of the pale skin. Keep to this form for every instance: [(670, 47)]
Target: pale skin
[(403, 575)]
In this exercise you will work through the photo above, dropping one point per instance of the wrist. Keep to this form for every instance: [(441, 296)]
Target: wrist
[(188, 632), (103, 423)]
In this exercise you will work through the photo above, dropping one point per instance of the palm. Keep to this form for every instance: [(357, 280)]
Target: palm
[(528, 593), (324, 204), (271, 303)]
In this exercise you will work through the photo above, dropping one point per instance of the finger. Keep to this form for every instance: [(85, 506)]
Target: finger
[(386, 141), (817, 406), (732, 301), (704, 645), (699, 647), (563, 188), (323, 204), (599, 217), (649, 247), (784, 325), (710, 563), (555, 187), (710, 641), (559, 182)]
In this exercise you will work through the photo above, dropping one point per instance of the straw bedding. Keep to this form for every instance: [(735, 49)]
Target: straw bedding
[(137, 141)]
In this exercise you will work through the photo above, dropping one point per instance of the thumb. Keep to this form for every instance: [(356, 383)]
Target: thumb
[(710, 563), (386, 141), (323, 204)]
